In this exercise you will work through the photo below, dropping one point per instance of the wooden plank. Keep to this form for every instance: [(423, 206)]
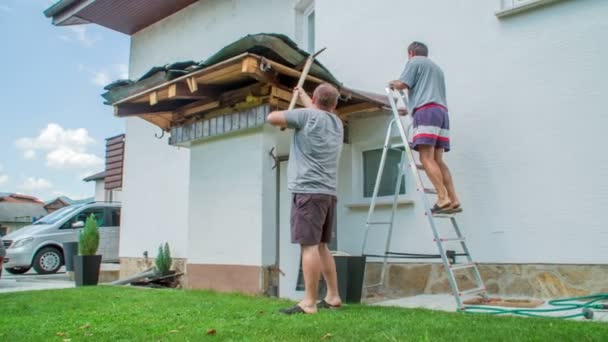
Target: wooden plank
[(192, 84), (135, 109), (233, 60), (153, 98), (113, 147), (116, 165), (114, 160), (182, 91), (115, 140), (219, 74), (251, 67), (113, 185), (115, 178), (284, 95), (293, 73), (114, 172), (114, 153), (357, 108)]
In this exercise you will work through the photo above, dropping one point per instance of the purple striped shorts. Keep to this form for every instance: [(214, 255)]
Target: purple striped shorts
[(431, 127)]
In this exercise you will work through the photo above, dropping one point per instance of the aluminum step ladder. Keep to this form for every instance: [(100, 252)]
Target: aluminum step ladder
[(448, 257)]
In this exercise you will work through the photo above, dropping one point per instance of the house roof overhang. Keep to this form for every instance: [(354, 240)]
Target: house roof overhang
[(255, 70), (127, 17)]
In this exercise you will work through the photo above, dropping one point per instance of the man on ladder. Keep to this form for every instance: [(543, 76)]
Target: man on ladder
[(427, 102)]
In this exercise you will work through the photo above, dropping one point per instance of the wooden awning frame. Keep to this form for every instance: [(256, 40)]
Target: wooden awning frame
[(242, 81)]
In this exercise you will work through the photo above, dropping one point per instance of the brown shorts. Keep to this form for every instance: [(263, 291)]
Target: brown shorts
[(312, 218)]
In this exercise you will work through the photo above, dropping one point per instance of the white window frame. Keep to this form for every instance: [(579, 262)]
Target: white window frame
[(357, 195), (304, 9), (511, 7)]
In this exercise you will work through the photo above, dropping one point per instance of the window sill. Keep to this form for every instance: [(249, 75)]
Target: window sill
[(531, 4), (379, 204)]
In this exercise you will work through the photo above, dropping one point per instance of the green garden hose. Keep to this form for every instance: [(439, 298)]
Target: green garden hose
[(586, 303)]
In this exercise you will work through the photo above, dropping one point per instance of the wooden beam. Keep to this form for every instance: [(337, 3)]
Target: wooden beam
[(357, 108), (192, 84), (251, 67), (183, 91), (134, 109), (284, 95), (153, 98)]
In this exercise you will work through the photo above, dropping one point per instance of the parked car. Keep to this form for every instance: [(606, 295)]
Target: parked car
[(2, 255), (40, 245)]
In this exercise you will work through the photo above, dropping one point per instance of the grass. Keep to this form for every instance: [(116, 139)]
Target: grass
[(126, 314)]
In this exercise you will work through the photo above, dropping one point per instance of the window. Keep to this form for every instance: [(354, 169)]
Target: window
[(371, 163), (305, 25), (509, 7), (82, 216), (115, 217)]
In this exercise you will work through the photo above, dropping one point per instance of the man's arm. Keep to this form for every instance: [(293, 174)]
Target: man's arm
[(397, 85), (279, 118)]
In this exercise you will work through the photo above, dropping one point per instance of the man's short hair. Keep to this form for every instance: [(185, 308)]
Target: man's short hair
[(418, 49), (326, 96)]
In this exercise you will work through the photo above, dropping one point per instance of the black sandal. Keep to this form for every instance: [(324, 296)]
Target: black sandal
[(440, 210), (325, 305), (296, 309), (454, 210)]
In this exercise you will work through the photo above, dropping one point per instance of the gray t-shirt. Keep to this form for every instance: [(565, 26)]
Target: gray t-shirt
[(315, 150), (426, 82)]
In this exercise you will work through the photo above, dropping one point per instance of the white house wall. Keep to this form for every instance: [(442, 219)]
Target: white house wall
[(526, 99), (156, 176), (155, 193), (225, 201)]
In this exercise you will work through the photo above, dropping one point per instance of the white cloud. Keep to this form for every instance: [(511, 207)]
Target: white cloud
[(65, 148), (82, 35), (29, 154), (3, 176), (101, 78), (32, 184), (104, 76)]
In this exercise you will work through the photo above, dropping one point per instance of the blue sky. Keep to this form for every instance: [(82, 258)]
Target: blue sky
[(52, 118)]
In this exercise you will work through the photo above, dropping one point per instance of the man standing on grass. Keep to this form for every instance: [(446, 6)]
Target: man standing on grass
[(312, 179), (427, 102)]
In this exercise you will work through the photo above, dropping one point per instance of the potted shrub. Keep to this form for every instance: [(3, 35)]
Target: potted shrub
[(163, 260), (87, 263)]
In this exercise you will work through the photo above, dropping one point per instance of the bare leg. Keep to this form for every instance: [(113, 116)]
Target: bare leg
[(311, 266), (427, 158), (447, 177), (328, 267)]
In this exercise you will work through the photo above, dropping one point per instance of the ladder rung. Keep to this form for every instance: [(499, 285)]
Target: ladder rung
[(443, 215), (430, 191), (420, 167), (399, 145), (379, 222), (449, 239), (472, 291), (462, 266)]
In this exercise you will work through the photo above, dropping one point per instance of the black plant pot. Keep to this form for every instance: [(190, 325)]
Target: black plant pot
[(86, 269), (69, 250)]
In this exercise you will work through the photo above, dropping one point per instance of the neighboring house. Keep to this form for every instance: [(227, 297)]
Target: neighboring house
[(108, 183), (525, 95), (64, 201), (56, 204), (18, 210)]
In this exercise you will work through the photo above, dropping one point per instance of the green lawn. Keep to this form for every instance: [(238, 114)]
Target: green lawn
[(126, 314)]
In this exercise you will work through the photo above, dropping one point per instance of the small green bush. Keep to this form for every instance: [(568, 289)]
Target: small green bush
[(88, 241), (163, 259)]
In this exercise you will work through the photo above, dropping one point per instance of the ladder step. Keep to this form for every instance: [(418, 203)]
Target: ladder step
[(462, 266), (420, 167), (378, 222), (430, 191), (449, 239), (472, 291), (398, 145), (444, 215)]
